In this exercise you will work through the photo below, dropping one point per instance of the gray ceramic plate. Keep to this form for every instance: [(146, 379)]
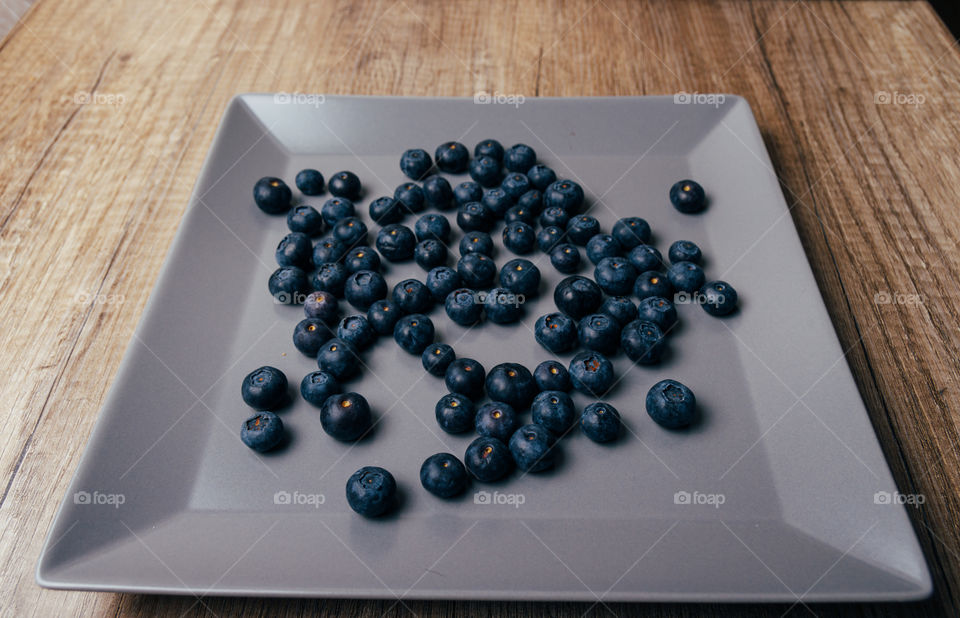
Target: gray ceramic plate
[(780, 493)]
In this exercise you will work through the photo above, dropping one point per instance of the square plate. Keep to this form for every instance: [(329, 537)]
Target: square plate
[(779, 493)]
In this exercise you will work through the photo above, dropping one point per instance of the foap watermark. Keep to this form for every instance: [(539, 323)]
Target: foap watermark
[(499, 498), (698, 98), (698, 498), (99, 298), (883, 97), (94, 98), (290, 298), (298, 498), (885, 497), (299, 98), (99, 498), (501, 298), (897, 298), (697, 298), (483, 97)]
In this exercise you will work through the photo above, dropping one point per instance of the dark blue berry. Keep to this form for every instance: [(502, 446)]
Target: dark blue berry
[(620, 308), (288, 285), (645, 258), (565, 194), (533, 448), (602, 246), (310, 182), (465, 376), (551, 375), (511, 383), (541, 176), (331, 277), (652, 283), (295, 249), (432, 226), (262, 431), (430, 253), (686, 277), (452, 157), (718, 298), (687, 196), (462, 307), (591, 373), (437, 192), (411, 197), (489, 148), (386, 210), (328, 250), (316, 386), (443, 475), (476, 270), (643, 342), (383, 316), (474, 216), (658, 310), (272, 195), (351, 231), (467, 192), (554, 410), (502, 306), (488, 459), (436, 357), (412, 296), (615, 276), (357, 331), (309, 334), (346, 185), (554, 216), (322, 305), (520, 214), (485, 171), (532, 201), (582, 228), (264, 388), (600, 422), (339, 359), (345, 416), (413, 333), (455, 413), (631, 231), (549, 237), (396, 242), (476, 242), (337, 208), (371, 491), (519, 238), (441, 281), (599, 332), (305, 219), (577, 296), (515, 185), (671, 404), (684, 251), (361, 258), (497, 201), (496, 419), (415, 163), (565, 258), (520, 276), (364, 287), (556, 332), (519, 158)]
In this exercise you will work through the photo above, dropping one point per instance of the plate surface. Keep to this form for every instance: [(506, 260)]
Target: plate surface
[(780, 493)]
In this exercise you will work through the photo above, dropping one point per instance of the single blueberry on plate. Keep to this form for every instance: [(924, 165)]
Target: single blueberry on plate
[(288, 285), (351, 231), (519, 158), (310, 182), (411, 197), (316, 386), (476, 270), (488, 459), (441, 281), (643, 342), (346, 185), (520, 214), (415, 163), (520, 276), (620, 308), (687, 196), (652, 283), (645, 258), (631, 231), (497, 201), (413, 333), (671, 404), (357, 331), (551, 375), (686, 277), (339, 359), (556, 332), (383, 316), (615, 276), (436, 358), (476, 242), (489, 148), (658, 310), (434, 226), (718, 298), (295, 249), (684, 251), (581, 229), (361, 258), (502, 306), (437, 192), (541, 176), (600, 422), (549, 237), (328, 250), (565, 193), (496, 419), (322, 305), (467, 192), (532, 201), (591, 373), (577, 296), (386, 210), (443, 475), (430, 253), (465, 376), (262, 431), (264, 388), (474, 216), (533, 448), (452, 157), (455, 413), (519, 238), (331, 277), (511, 383), (309, 334), (412, 296), (272, 195), (363, 288), (515, 185), (463, 307), (306, 220), (396, 242), (337, 208), (554, 216), (555, 411), (599, 332), (485, 171), (601, 246), (345, 416), (565, 257), (371, 491)]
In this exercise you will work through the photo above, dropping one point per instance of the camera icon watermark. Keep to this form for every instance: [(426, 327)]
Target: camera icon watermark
[(299, 98), (883, 97), (897, 298), (482, 97), (698, 98), (697, 298), (699, 499), (298, 498), (499, 498), (98, 498), (885, 497), (289, 298), (501, 298)]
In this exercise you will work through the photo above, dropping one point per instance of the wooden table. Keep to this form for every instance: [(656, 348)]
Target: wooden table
[(109, 107)]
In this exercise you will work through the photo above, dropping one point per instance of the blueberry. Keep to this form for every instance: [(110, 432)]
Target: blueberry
[(345, 184), (476, 270), (310, 182), (533, 448), (345, 416), (331, 277), (264, 388), (443, 475), (555, 411), (602, 246), (437, 192), (556, 332), (371, 491), (383, 316), (600, 422), (305, 219), (519, 158), (412, 296), (591, 373), (532, 200), (441, 281), (658, 310), (582, 228), (520, 214), (519, 238), (566, 194), (430, 253), (413, 333), (462, 307), (645, 258), (549, 237), (295, 249), (357, 331), (432, 226), (541, 176), (554, 216), (262, 431), (496, 419), (631, 231), (684, 251), (550, 375), (455, 413), (386, 210), (497, 201), (323, 306), (361, 258), (328, 250), (511, 383), (620, 308), (718, 298), (316, 386), (396, 242), (410, 196), (474, 216), (485, 171), (577, 296), (364, 287), (520, 276), (671, 404), (465, 376), (309, 335), (467, 192), (615, 276), (503, 306), (351, 231), (339, 359), (565, 258), (272, 195), (337, 208), (489, 148), (436, 358), (687, 196), (476, 242), (488, 459), (515, 185), (652, 283), (599, 332), (686, 276), (415, 163), (452, 157), (643, 342), (289, 285)]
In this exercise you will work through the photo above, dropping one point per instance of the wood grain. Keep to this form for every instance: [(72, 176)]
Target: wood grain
[(111, 106)]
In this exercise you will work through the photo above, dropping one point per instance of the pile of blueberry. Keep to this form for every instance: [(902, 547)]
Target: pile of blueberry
[(326, 260)]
